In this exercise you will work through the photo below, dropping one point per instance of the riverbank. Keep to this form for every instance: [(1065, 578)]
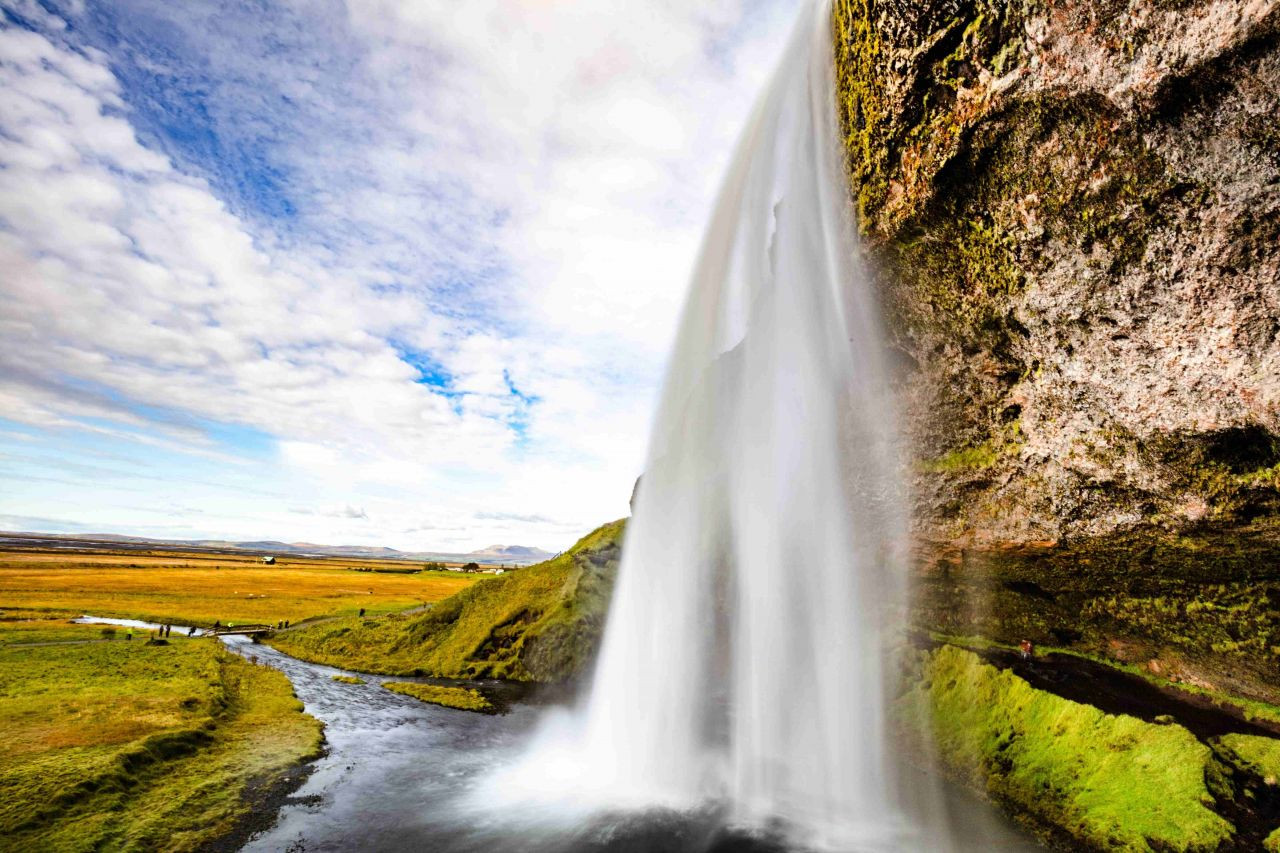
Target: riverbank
[(128, 745)]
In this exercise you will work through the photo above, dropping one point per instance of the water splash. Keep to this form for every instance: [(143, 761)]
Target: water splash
[(744, 658)]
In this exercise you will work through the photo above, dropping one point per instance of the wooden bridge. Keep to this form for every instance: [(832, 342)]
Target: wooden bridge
[(246, 630)]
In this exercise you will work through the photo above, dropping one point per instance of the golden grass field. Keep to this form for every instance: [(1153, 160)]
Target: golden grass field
[(193, 587), (107, 743)]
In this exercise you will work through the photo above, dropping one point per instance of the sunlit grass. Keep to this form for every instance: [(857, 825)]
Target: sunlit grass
[(186, 588), (125, 745), (539, 623)]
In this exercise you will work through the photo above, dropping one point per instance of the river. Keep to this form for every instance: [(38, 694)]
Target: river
[(401, 774)]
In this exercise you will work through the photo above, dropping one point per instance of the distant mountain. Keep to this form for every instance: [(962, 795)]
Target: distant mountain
[(519, 555), (511, 552)]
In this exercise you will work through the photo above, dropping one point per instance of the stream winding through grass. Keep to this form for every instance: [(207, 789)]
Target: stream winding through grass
[(400, 774)]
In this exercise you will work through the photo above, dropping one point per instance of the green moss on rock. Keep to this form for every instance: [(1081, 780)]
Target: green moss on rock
[(1110, 782), (1254, 754)]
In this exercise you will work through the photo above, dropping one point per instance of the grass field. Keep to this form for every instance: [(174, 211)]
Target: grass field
[(111, 744), (200, 587)]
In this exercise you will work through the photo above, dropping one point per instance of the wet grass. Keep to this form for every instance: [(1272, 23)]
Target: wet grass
[(127, 746), (461, 698), (541, 623), (1111, 782), (200, 588), (347, 679)]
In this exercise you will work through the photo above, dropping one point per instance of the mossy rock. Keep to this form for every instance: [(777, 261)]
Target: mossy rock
[(1108, 782)]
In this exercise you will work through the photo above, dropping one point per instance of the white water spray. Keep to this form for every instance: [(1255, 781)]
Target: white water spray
[(744, 657)]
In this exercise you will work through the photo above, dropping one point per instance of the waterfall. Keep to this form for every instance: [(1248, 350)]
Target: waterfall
[(744, 659)]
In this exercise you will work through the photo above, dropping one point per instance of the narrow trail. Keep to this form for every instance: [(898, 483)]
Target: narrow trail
[(1117, 692)]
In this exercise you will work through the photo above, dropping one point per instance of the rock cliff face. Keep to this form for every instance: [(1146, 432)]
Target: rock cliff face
[(1075, 208), (1072, 208)]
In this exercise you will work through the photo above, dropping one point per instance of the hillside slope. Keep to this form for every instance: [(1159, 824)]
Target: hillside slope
[(541, 623)]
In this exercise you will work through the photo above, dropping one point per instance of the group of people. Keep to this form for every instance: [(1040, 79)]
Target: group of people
[(162, 631)]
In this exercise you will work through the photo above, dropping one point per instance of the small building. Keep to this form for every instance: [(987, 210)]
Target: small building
[(269, 560)]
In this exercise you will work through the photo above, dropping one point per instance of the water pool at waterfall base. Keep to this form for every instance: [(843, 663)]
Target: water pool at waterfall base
[(400, 774)]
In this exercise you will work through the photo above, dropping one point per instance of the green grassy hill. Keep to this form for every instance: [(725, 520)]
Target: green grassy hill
[(541, 623)]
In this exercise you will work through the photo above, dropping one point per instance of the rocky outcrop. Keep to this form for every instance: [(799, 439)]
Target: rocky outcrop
[(1072, 213), (1074, 209)]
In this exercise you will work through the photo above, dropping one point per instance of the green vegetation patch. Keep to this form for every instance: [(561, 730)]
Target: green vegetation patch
[(347, 679), (1255, 754), (1200, 606), (541, 623), (462, 698), (33, 628), (1241, 619), (124, 746), (965, 459), (1112, 782)]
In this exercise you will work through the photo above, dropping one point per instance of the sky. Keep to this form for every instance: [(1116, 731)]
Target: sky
[(381, 272)]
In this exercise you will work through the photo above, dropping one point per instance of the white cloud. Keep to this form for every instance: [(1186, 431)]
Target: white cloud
[(512, 191)]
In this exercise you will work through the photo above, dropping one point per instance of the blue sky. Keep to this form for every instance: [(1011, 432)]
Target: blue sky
[(365, 272)]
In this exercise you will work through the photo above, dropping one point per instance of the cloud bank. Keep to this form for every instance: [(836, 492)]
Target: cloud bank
[(368, 272)]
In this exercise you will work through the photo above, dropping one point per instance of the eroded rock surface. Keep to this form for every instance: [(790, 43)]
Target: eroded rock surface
[(1074, 208), (1072, 211)]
